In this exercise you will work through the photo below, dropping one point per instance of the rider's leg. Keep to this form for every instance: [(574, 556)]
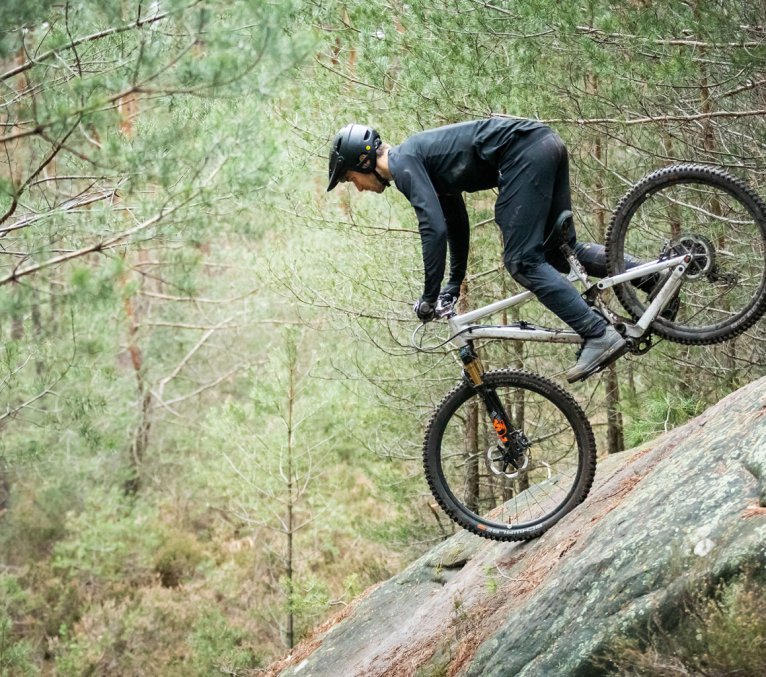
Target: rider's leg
[(533, 189), (527, 197), (593, 258)]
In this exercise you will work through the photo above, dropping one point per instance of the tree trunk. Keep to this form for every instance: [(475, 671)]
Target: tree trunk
[(140, 441), (289, 562), (614, 429), (5, 488)]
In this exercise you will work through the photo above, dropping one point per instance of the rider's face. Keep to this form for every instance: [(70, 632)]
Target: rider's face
[(364, 181)]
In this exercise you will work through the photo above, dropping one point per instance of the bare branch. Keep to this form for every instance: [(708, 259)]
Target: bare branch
[(98, 246), (348, 77), (9, 413), (196, 299), (649, 119), (68, 205), (682, 42), (190, 354), (207, 386), (88, 38)]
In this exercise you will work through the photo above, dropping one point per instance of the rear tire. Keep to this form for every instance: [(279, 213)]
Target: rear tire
[(685, 204), (561, 458)]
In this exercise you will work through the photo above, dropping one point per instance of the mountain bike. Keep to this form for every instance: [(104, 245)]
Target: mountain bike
[(509, 452)]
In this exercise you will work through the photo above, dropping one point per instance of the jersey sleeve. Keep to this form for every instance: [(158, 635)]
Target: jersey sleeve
[(458, 238), (413, 181)]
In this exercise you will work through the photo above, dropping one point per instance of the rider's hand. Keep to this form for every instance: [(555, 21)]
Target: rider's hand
[(445, 304), (424, 310)]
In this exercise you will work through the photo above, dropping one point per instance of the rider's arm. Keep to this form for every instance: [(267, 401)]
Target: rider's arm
[(458, 236), (413, 180)]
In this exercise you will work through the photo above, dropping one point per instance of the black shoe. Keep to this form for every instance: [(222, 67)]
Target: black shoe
[(596, 353)]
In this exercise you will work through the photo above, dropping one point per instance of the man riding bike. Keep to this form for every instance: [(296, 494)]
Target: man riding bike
[(528, 163)]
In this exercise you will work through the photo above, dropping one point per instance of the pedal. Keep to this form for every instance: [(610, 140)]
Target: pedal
[(445, 306)]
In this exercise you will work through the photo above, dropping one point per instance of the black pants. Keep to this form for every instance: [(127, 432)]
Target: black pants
[(533, 191)]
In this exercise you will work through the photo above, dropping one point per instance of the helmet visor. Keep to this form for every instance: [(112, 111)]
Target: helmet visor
[(337, 170)]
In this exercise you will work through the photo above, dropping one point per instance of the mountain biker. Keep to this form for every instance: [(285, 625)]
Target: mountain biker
[(528, 163)]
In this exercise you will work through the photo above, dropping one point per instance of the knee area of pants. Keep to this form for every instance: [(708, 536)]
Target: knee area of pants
[(520, 270)]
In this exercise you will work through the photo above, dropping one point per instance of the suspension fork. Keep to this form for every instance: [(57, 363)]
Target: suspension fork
[(501, 422)]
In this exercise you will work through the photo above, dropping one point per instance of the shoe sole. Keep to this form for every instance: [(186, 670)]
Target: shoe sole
[(615, 352)]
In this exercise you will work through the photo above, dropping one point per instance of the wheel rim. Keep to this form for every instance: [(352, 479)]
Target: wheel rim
[(529, 496), (695, 209)]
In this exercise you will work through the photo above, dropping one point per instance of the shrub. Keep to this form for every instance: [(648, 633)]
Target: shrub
[(721, 634), (177, 558), (657, 413), (110, 542), (34, 522), (164, 631), (15, 653), (219, 647)]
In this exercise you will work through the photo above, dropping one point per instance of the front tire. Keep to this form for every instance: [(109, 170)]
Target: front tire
[(477, 494)]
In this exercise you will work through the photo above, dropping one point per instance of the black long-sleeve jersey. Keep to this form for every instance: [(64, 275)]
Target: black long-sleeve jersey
[(432, 169)]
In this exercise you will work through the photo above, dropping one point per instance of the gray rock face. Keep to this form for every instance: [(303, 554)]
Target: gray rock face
[(687, 509)]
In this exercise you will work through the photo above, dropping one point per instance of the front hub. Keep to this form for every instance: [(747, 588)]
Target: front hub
[(509, 457)]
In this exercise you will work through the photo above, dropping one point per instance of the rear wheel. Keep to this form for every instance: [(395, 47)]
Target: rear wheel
[(719, 220), (470, 477)]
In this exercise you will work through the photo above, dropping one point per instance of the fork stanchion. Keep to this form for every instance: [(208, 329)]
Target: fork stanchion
[(472, 365)]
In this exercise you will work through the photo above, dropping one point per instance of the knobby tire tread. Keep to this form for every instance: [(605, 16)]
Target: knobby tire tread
[(564, 401), (640, 193)]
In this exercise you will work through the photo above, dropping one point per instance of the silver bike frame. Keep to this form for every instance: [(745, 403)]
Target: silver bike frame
[(463, 329)]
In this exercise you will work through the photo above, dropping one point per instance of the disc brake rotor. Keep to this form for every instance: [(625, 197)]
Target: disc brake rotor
[(700, 249), (499, 460)]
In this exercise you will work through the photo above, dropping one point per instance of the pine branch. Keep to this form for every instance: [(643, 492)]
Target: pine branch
[(98, 246), (682, 42), (22, 68), (647, 120)]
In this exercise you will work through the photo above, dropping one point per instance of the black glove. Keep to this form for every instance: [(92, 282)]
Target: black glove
[(424, 310), (445, 304)]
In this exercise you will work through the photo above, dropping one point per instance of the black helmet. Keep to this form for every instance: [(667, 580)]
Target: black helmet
[(355, 147)]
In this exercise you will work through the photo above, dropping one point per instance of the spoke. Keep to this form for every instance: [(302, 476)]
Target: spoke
[(537, 490)]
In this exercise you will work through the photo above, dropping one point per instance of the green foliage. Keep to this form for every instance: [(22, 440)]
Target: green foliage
[(35, 522), (308, 600), (184, 636), (219, 647), (15, 652), (657, 412), (110, 540), (723, 633), (17, 15), (177, 558)]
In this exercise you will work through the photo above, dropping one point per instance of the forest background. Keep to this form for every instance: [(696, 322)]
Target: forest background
[(210, 414)]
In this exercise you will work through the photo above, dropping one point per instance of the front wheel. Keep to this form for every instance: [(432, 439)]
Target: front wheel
[(717, 219), (478, 489)]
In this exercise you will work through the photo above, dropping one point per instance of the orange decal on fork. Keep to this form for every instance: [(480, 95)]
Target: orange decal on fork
[(500, 429)]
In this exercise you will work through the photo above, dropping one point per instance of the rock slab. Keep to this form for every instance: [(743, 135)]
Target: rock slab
[(686, 510)]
